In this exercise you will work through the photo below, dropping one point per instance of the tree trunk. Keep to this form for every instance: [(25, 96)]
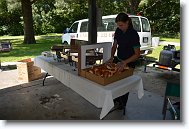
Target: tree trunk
[(29, 37), (134, 5)]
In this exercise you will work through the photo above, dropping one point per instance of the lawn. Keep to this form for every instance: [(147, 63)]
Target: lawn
[(22, 51), (43, 43), (170, 40), (156, 51)]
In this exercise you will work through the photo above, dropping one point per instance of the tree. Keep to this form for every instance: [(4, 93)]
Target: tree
[(55, 15), (164, 16), (29, 37), (10, 18), (134, 5), (115, 6), (3, 7), (44, 13)]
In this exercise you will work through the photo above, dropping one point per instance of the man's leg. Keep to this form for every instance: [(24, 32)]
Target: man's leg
[(122, 101)]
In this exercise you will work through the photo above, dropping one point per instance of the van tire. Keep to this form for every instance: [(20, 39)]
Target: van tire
[(65, 43)]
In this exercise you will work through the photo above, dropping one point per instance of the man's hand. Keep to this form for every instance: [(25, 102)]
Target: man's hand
[(120, 66), (110, 60)]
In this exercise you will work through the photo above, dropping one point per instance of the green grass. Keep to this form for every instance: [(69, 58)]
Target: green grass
[(170, 40), (156, 51), (43, 43), (22, 51)]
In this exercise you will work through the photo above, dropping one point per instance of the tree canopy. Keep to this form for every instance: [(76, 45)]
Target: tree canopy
[(49, 16), (164, 15)]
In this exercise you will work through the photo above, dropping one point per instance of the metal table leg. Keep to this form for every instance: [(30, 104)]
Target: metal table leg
[(44, 79), (145, 63)]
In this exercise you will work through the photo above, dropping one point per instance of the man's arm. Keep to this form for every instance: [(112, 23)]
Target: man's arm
[(114, 47), (113, 50), (124, 63), (133, 57)]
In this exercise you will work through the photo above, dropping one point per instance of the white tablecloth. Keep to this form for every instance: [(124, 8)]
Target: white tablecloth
[(98, 95)]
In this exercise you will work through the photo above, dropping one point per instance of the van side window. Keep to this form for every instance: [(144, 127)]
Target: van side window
[(109, 24), (73, 28), (136, 23), (84, 26), (145, 25), (101, 28)]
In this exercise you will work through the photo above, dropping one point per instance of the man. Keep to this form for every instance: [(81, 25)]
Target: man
[(127, 44)]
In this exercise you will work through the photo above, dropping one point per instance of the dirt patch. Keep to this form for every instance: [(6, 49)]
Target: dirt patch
[(155, 79)]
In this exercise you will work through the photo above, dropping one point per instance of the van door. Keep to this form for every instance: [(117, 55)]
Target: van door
[(146, 32), (72, 34), (142, 26), (83, 33), (106, 30)]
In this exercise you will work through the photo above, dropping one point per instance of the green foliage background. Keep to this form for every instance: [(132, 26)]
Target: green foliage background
[(53, 16)]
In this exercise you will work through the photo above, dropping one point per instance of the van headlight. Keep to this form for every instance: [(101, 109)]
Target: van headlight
[(145, 39)]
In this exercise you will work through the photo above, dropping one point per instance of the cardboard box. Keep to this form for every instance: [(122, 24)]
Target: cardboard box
[(27, 72), (108, 80)]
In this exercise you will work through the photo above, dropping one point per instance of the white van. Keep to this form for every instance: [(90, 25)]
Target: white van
[(105, 33)]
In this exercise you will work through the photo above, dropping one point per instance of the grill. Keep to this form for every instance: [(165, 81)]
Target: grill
[(5, 46)]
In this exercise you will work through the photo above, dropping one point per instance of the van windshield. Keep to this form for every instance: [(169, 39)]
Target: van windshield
[(73, 28)]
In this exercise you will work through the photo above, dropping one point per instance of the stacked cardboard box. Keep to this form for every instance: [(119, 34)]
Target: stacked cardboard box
[(27, 71)]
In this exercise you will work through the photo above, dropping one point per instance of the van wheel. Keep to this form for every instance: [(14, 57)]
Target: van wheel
[(65, 43)]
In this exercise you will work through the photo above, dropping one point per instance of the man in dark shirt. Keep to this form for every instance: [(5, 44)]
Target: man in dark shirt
[(127, 44)]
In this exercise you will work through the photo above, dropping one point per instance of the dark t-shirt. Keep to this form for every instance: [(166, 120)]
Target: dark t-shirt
[(126, 41)]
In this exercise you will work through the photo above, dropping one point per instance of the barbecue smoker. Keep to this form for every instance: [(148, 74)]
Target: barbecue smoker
[(169, 58), (5, 46)]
